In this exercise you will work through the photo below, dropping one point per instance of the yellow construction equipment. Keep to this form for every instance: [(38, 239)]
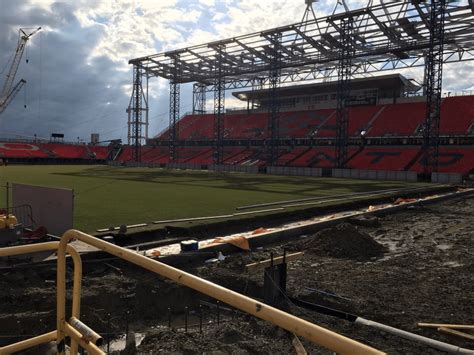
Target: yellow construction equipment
[(83, 336)]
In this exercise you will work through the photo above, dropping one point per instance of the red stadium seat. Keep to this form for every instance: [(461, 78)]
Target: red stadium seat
[(100, 152), (457, 115), (399, 120), (384, 158), (21, 150), (452, 160), (68, 151)]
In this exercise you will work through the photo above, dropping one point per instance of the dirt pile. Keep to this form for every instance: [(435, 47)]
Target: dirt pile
[(343, 241)]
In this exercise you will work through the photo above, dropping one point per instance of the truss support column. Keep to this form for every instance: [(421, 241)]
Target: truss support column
[(274, 103), (137, 122), (343, 91), (433, 85), (199, 99), (219, 107), (174, 112)]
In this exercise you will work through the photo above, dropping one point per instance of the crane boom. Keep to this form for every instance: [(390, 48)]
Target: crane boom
[(6, 100), (7, 93)]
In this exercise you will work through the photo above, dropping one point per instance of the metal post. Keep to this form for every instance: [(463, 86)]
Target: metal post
[(274, 107), (108, 333), (186, 319), (174, 110), (199, 99), (433, 85), (138, 104), (127, 315), (219, 105), (343, 91), (200, 318), (8, 197), (169, 317)]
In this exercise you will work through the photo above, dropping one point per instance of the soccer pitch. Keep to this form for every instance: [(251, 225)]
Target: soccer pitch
[(106, 196)]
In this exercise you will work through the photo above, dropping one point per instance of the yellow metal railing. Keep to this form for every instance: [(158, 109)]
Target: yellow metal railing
[(82, 336)]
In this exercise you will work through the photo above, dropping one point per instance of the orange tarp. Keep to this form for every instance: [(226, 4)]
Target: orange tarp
[(404, 200), (238, 241)]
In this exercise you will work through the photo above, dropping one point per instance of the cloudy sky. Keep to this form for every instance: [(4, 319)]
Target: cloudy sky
[(79, 80)]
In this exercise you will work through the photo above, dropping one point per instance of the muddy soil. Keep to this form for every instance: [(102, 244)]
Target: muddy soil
[(424, 273), (397, 269)]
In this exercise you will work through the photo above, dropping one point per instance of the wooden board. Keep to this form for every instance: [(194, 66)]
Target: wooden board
[(456, 332), (440, 325), (260, 265), (299, 348)]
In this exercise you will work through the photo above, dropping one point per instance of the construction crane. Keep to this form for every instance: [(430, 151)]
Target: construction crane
[(8, 93)]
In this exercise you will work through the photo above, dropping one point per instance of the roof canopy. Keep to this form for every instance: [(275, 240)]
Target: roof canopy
[(383, 82), (385, 37)]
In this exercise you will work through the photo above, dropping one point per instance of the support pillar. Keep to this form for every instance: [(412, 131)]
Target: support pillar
[(174, 112), (274, 103), (199, 99), (219, 107), (433, 85), (137, 123), (343, 91)]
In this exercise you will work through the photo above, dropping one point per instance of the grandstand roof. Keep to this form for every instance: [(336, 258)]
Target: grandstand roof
[(395, 82), (387, 36)]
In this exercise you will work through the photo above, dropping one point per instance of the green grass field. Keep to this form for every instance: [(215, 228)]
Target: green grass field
[(106, 196)]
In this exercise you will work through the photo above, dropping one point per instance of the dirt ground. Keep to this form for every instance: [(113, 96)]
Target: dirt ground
[(399, 269)]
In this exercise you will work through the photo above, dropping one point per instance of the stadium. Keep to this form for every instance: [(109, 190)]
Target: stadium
[(328, 210)]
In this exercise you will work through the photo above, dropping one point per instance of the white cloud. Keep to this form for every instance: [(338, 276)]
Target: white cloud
[(87, 45), (208, 2)]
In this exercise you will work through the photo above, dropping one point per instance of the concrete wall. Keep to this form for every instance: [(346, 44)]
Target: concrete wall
[(446, 178), (183, 166), (375, 174), (293, 171), (234, 168), (300, 171)]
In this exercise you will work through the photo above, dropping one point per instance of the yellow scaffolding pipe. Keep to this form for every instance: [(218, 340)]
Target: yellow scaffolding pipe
[(76, 288), (298, 326), (28, 343), (301, 327)]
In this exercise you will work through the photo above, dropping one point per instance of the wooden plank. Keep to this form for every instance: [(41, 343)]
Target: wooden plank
[(441, 325), (299, 348), (259, 265), (456, 332)]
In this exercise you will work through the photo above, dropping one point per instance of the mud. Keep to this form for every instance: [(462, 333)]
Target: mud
[(343, 241), (399, 269)]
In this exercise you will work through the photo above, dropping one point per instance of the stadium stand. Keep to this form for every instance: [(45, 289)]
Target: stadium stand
[(67, 151), (155, 155), (452, 160), (201, 156), (361, 117), (21, 150), (382, 122), (384, 158), (126, 154), (457, 115), (288, 157), (320, 157), (100, 152), (246, 126), (398, 120), (301, 124)]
